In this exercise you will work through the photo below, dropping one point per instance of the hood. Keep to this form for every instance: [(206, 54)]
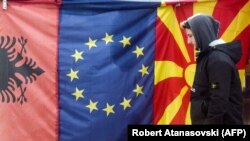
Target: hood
[(205, 29), (232, 49)]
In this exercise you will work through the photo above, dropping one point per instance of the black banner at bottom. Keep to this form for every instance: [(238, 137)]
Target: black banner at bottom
[(215, 132)]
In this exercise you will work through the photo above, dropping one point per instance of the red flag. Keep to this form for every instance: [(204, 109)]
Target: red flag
[(29, 63)]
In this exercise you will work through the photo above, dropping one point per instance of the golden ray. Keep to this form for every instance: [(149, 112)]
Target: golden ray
[(242, 77), (166, 69), (204, 7), (168, 17), (173, 107), (188, 118), (238, 24)]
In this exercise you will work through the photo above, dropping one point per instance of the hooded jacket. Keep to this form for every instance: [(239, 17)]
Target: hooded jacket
[(216, 94)]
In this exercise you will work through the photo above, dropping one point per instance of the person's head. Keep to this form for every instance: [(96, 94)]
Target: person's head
[(201, 30), (190, 38)]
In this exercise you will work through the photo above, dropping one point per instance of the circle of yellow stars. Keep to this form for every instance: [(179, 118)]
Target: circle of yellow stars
[(78, 55)]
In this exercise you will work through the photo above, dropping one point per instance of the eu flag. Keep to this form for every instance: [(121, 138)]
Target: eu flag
[(106, 69)]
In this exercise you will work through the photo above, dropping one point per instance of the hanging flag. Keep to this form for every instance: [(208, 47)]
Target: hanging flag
[(28, 74), (106, 70), (174, 59)]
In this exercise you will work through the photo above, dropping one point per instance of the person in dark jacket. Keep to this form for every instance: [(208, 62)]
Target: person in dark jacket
[(216, 94)]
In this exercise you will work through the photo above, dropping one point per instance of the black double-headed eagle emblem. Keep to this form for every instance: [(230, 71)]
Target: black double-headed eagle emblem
[(16, 69)]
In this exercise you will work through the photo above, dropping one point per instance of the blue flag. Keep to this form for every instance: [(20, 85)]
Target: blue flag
[(106, 70)]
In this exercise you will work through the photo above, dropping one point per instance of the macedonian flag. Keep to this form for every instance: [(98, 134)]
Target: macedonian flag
[(174, 59)]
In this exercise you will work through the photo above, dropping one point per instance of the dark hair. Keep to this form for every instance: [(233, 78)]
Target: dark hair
[(185, 24)]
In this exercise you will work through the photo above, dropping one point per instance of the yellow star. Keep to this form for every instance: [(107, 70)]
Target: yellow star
[(72, 75), (77, 55), (138, 51), (125, 41), (91, 43), (138, 90), (92, 106), (144, 70), (78, 94), (108, 38), (125, 103), (109, 109)]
